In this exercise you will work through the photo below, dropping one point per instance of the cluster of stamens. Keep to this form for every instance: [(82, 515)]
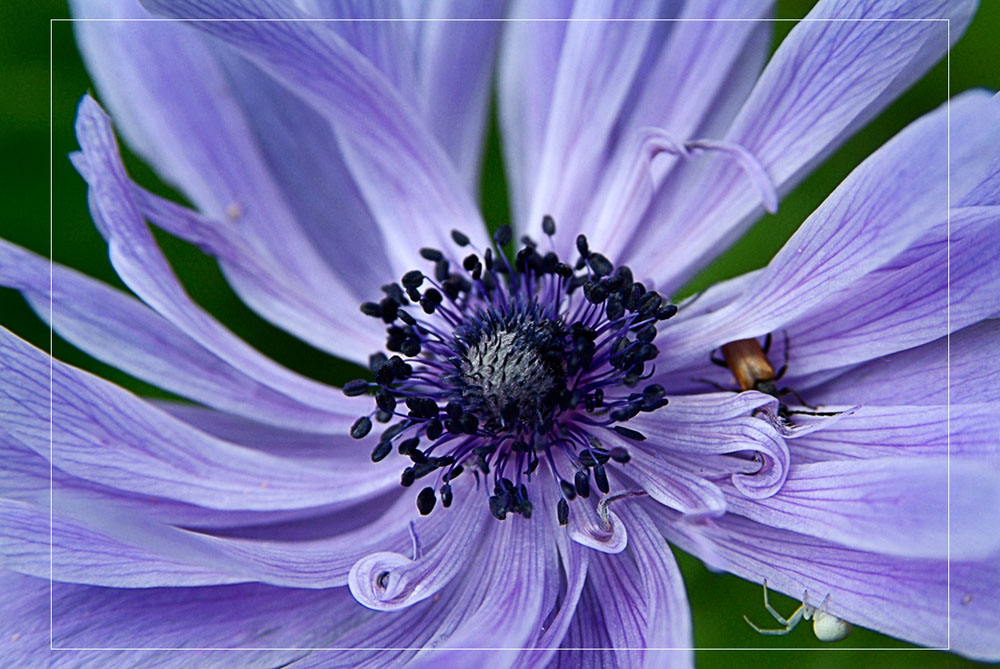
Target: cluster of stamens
[(506, 363)]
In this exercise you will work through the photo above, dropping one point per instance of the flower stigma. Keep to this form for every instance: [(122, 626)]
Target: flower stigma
[(506, 363)]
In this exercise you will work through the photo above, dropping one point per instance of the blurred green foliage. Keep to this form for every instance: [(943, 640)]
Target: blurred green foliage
[(28, 124)]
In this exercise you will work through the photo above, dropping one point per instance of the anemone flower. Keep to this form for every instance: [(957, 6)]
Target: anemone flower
[(539, 419)]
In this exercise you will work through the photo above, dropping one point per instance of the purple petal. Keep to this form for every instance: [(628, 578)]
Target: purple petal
[(142, 266), (162, 625), (76, 548), (911, 507), (689, 439), (512, 587), (934, 373), (987, 191), (149, 620), (893, 310), (641, 597), (681, 88), (289, 443), (695, 410), (826, 80), (456, 65), (877, 212), (543, 647), (890, 431), (529, 64), (387, 581), (743, 76), (384, 146), (678, 94), (181, 105), (587, 641), (31, 477), (327, 561), (375, 31), (434, 57), (123, 332), (597, 64), (912, 599), (832, 75), (303, 154), (273, 291), (105, 434), (673, 485), (113, 538), (596, 527)]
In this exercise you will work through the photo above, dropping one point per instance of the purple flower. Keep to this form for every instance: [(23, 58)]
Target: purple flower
[(550, 414)]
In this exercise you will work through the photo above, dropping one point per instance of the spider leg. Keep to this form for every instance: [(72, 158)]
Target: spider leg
[(777, 616), (822, 607), (788, 625)]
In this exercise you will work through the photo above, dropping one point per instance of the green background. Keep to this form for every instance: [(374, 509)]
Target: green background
[(718, 600)]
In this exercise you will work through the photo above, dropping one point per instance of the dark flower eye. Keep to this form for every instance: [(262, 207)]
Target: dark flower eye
[(526, 367)]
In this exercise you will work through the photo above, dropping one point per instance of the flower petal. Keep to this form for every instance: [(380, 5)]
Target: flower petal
[(170, 626), (674, 486), (108, 537), (911, 599), (587, 641), (387, 581), (890, 431), (892, 310), (575, 559), (529, 64), (236, 616), (433, 54), (511, 587), (836, 70), (105, 434), (274, 291), (304, 158), (678, 93), (31, 479), (935, 373), (877, 212), (911, 507), (598, 61), (142, 266), (596, 528), (642, 599), (76, 549), (384, 146), (121, 331), (455, 60), (828, 77), (680, 438), (182, 106), (987, 191)]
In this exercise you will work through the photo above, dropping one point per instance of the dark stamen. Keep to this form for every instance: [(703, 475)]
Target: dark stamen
[(361, 427), (548, 225), (425, 501)]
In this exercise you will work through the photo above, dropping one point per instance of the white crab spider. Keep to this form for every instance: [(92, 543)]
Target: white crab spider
[(826, 627)]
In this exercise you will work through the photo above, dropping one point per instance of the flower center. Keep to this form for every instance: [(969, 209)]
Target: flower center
[(512, 369), (509, 364)]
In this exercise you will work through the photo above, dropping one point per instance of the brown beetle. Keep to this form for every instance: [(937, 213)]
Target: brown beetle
[(748, 362)]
